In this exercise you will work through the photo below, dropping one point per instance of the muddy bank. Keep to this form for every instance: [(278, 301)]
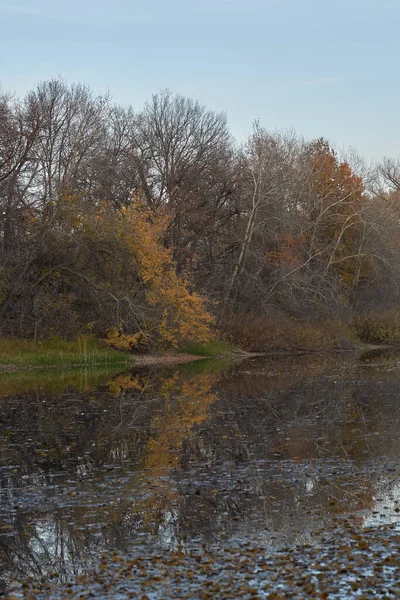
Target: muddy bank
[(164, 358)]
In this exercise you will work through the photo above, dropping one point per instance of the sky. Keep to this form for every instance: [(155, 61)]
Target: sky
[(323, 68)]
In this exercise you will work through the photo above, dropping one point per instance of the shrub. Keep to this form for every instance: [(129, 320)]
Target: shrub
[(260, 333), (378, 328)]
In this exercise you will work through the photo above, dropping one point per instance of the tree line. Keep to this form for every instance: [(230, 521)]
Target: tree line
[(153, 224)]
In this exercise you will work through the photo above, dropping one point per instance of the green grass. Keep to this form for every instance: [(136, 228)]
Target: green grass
[(58, 352), (213, 348)]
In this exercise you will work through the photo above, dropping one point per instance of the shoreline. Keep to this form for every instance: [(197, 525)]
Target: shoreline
[(174, 357)]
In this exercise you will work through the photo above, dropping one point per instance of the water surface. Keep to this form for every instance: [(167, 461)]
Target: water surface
[(157, 460)]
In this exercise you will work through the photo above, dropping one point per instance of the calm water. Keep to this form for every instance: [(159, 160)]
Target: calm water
[(163, 459)]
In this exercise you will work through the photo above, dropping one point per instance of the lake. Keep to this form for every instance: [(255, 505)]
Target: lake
[(267, 478)]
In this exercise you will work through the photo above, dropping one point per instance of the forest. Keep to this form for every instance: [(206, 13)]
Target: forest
[(155, 227)]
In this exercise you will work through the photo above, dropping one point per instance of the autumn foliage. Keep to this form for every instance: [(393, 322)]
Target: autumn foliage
[(130, 225), (183, 313), (168, 312)]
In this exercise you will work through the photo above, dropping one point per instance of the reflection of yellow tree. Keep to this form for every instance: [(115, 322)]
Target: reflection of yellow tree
[(188, 399), (125, 381), (188, 407)]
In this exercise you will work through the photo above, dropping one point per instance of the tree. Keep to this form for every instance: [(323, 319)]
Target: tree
[(105, 268), (183, 154), (20, 125), (268, 166), (326, 254), (73, 129)]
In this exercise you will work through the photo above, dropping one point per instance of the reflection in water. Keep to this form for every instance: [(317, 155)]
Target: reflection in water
[(169, 458)]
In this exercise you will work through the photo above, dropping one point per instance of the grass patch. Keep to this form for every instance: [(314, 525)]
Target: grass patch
[(213, 348), (58, 352)]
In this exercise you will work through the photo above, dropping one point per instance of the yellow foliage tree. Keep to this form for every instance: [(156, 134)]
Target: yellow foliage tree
[(180, 313)]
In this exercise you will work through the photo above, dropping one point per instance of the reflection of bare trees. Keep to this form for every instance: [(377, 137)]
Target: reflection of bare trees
[(43, 547), (266, 449)]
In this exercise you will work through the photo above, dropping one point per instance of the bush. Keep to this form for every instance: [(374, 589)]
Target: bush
[(260, 333), (378, 328)]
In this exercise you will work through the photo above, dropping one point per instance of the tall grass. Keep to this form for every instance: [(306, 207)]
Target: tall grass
[(55, 351)]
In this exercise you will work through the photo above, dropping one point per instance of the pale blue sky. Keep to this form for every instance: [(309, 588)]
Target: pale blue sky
[(323, 67)]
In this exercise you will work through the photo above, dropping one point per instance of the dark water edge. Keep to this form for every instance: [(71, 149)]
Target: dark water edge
[(280, 457)]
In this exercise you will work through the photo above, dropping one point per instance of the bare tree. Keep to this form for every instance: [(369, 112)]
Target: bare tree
[(72, 134), (270, 172), (183, 154)]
